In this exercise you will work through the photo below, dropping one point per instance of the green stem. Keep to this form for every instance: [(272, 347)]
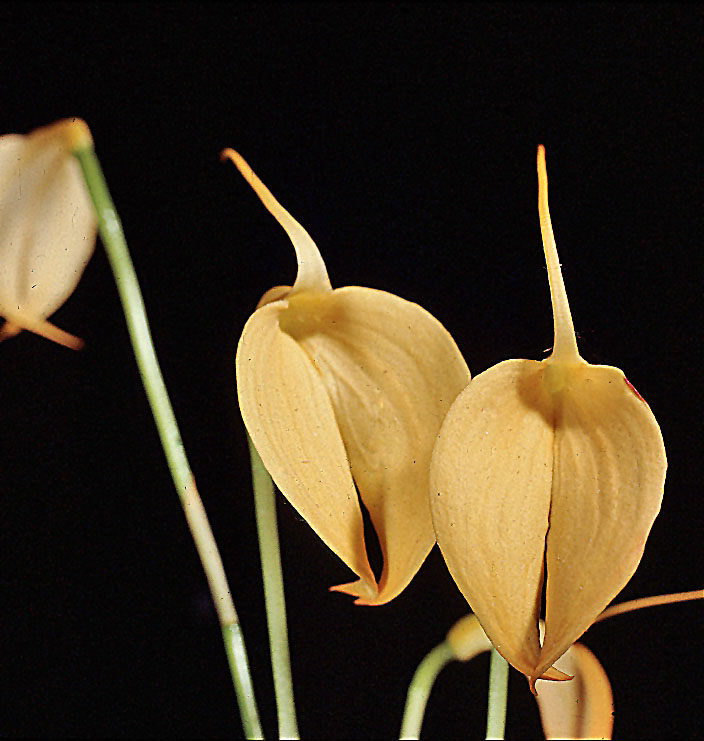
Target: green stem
[(133, 305), (272, 576), (498, 695), (239, 668), (420, 688)]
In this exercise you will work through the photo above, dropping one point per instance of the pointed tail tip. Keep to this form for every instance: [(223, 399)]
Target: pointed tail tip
[(551, 674), (43, 328), (235, 157), (9, 329), (79, 344), (365, 594), (541, 157), (53, 333)]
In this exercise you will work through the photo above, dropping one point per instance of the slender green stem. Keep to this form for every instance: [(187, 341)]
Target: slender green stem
[(239, 667), (133, 306), (265, 508), (498, 695), (420, 688)]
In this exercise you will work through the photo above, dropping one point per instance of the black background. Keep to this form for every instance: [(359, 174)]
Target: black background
[(403, 138)]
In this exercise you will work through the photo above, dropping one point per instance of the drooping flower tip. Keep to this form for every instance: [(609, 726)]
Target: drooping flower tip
[(77, 133)]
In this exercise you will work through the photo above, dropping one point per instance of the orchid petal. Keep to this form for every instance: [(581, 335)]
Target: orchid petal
[(490, 481), (607, 489), (291, 421), (391, 372)]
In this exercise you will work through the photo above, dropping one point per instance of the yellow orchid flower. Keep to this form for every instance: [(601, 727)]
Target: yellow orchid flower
[(47, 227), (557, 464), (346, 387)]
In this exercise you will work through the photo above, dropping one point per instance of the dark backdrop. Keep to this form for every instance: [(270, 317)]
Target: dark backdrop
[(403, 138)]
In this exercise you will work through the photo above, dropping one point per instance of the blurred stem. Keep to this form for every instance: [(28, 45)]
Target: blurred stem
[(498, 695), (272, 576), (133, 305), (420, 688)]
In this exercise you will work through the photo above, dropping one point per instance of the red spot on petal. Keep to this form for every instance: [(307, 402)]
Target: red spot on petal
[(635, 390)]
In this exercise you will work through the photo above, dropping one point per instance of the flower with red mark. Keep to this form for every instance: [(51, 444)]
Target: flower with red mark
[(556, 465)]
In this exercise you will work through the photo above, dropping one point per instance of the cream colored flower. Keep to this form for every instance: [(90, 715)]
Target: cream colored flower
[(47, 227), (343, 388), (556, 464)]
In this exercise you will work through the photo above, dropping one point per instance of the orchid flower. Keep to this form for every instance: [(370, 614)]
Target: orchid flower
[(556, 465), (347, 387), (47, 227)]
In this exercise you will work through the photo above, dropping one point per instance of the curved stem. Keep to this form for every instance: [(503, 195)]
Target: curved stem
[(420, 687), (498, 696), (272, 576), (133, 305)]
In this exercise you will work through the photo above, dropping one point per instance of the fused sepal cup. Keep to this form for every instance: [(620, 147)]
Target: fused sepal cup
[(556, 465), (344, 391)]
